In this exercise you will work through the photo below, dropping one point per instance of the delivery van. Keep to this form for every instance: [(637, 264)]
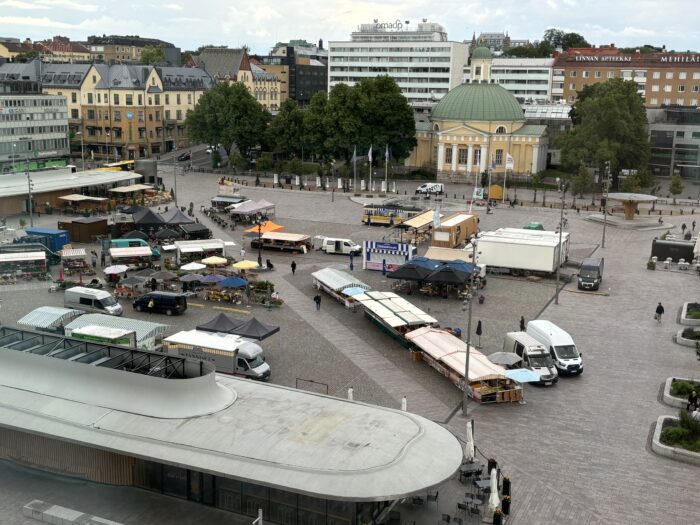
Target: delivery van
[(335, 245), (590, 275), (91, 300), (431, 188), (561, 346), (533, 354), (168, 303)]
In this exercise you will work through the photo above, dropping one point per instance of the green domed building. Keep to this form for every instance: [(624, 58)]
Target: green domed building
[(476, 126)]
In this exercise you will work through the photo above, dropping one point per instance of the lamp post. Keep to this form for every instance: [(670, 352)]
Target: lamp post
[(82, 148), (106, 146), (260, 224), (605, 206), (14, 149), (562, 190), (467, 305), (175, 179), (29, 190)]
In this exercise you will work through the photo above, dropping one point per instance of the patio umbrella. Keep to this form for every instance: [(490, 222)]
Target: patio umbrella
[(245, 265), (233, 282), (116, 269), (504, 358), (410, 272), (163, 276), (494, 500), (191, 277), (146, 272), (167, 233), (193, 266), (213, 278), (132, 280), (135, 234), (523, 375), (214, 261), (469, 444), (447, 275)]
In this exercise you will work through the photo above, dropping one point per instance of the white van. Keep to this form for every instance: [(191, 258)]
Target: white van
[(533, 354), (431, 188), (561, 346), (336, 245), (91, 300)]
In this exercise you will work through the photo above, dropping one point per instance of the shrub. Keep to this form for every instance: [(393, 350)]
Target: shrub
[(681, 388), (687, 422), (691, 333), (674, 435)]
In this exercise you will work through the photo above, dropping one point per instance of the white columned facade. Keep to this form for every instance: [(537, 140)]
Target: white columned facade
[(441, 156), (455, 153), (535, 159), (470, 158), (482, 159)]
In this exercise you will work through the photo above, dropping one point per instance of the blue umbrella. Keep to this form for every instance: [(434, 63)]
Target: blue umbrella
[(522, 375), (233, 282), (213, 278)]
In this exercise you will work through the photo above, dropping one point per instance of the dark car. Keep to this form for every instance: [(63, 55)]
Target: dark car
[(184, 156), (168, 303)]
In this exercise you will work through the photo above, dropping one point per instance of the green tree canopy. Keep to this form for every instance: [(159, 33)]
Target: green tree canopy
[(153, 54), (316, 122), (558, 38), (676, 187), (228, 115), (612, 127), (286, 131)]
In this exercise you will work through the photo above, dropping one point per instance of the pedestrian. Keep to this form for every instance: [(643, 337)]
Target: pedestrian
[(692, 401), (522, 323), (103, 258), (317, 300), (659, 312), (294, 267), (683, 228), (154, 285), (693, 225), (242, 252), (94, 262)]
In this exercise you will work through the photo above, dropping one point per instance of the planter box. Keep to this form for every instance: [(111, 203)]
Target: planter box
[(678, 454), (684, 319), (673, 401), (685, 342)]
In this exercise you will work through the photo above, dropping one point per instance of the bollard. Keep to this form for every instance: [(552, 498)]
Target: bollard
[(681, 211), (505, 505), (506, 486), (403, 404), (351, 394), (455, 197), (492, 464), (671, 212)]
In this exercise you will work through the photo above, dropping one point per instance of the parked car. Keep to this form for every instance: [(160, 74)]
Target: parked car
[(184, 156), (431, 188)]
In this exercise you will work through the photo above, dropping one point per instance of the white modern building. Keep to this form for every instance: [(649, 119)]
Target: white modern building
[(424, 63), (528, 79), (33, 128)]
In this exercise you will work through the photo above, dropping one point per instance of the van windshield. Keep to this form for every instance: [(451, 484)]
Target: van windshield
[(255, 362), (588, 273), (108, 301), (566, 352), (540, 361)]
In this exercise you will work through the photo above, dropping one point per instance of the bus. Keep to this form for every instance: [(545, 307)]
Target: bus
[(123, 165), (388, 214)]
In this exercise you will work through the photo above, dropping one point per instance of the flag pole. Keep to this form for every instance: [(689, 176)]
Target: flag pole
[(354, 170)]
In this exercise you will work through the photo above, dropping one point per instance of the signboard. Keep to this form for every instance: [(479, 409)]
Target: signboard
[(386, 246), (478, 194)]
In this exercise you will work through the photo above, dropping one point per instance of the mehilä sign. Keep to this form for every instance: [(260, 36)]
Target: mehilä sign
[(694, 59), (602, 58)]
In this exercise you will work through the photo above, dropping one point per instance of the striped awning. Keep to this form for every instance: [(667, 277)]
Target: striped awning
[(48, 317)]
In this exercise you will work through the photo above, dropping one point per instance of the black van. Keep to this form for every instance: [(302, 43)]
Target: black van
[(590, 274), (168, 303)]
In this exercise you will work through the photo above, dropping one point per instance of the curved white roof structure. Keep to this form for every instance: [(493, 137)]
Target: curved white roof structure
[(269, 435)]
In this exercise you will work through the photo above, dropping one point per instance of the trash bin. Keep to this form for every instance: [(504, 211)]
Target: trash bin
[(505, 505), (506, 486), (603, 201), (492, 464)]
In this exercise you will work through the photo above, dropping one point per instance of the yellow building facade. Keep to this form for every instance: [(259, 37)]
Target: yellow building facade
[(476, 128)]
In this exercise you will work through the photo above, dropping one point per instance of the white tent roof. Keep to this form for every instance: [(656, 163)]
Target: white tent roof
[(224, 342), (337, 280), (421, 220), (452, 352), (51, 180), (143, 329), (393, 310), (48, 317)]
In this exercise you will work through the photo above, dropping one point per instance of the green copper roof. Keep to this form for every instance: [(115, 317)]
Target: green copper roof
[(478, 102), (532, 130), (481, 53)]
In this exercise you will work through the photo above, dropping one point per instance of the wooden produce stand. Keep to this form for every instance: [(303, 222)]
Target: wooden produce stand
[(74, 262)]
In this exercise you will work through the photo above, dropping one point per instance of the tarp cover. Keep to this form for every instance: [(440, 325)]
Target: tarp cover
[(254, 329), (175, 216), (147, 217), (338, 280), (268, 226), (221, 323), (48, 317)]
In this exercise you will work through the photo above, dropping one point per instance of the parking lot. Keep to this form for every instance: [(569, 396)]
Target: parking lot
[(576, 452)]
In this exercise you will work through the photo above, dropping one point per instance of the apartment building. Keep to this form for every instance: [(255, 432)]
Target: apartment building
[(663, 79), (496, 42), (422, 61), (234, 65), (120, 49), (11, 47), (61, 49)]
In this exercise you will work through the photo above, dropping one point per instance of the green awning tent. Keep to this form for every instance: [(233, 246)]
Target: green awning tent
[(534, 226)]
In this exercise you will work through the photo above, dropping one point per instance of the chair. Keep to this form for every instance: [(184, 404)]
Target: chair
[(462, 506), (432, 496)]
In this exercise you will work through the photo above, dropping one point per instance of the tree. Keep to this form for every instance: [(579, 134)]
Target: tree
[(573, 40), (557, 38), (343, 123), (583, 182), (228, 115), (676, 187), (631, 184), (26, 57), (612, 127), (286, 131), (316, 125), (153, 54), (265, 162)]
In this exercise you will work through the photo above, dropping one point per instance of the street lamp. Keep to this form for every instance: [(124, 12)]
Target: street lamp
[(260, 225), (605, 206), (82, 148), (467, 305), (14, 150), (106, 146), (562, 190), (29, 188)]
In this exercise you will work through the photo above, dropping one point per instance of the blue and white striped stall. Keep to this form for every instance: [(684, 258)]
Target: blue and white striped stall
[(386, 256)]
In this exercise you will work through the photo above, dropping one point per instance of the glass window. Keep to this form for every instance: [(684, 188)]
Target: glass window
[(228, 494), (573, 74), (657, 74), (584, 74), (157, 99), (283, 507), (682, 75), (89, 98), (668, 88), (448, 155), (74, 113), (175, 481), (177, 98), (499, 157), (680, 134), (148, 475), (681, 89), (116, 99), (611, 74), (597, 74), (655, 88), (312, 511), (167, 98), (74, 97), (254, 497), (129, 100), (669, 75), (477, 156), (463, 155), (654, 100)]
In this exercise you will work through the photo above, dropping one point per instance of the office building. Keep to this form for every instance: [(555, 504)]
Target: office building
[(422, 61), (674, 136), (496, 42), (169, 424)]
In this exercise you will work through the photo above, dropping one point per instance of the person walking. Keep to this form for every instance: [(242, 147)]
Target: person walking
[(522, 323), (693, 225), (242, 252), (94, 262), (683, 228), (659, 312), (692, 401), (103, 258), (317, 300), (294, 267)]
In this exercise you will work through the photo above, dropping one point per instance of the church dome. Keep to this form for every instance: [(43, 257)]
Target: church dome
[(478, 102), (482, 53)]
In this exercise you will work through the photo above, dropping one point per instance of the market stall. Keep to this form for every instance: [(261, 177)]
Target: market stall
[(30, 263), (136, 257), (74, 262), (340, 285), (86, 229), (49, 318), (455, 230), (417, 227), (448, 354), (386, 256), (393, 314)]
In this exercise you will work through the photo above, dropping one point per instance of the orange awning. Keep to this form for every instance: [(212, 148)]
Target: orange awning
[(268, 226)]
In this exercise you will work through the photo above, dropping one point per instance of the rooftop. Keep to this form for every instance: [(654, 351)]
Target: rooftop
[(54, 180), (478, 102)]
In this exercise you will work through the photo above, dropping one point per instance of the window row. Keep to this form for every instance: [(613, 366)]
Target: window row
[(32, 102), (31, 130), (16, 117), (27, 147)]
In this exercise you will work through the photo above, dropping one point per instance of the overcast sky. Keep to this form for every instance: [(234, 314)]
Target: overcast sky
[(261, 23)]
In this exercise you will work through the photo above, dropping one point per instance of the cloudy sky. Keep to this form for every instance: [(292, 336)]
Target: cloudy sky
[(260, 23)]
